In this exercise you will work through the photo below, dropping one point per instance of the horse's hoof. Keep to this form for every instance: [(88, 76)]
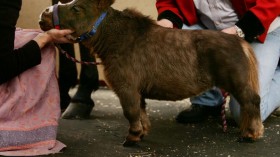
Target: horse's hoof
[(245, 140), (129, 143), (252, 131)]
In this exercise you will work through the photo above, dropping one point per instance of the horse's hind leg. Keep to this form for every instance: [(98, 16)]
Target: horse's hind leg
[(250, 118)]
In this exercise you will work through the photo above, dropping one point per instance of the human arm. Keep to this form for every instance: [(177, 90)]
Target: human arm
[(168, 10), (165, 23), (256, 21), (53, 35), (15, 61)]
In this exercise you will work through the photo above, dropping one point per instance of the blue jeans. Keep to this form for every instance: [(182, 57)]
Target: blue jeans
[(267, 54)]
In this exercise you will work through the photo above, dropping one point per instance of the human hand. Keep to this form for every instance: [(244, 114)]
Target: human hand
[(230, 30), (53, 35), (165, 23), (235, 30)]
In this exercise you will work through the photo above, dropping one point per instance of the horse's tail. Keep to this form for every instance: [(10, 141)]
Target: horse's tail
[(253, 65)]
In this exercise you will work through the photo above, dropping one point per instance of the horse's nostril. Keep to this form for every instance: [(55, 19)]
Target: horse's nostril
[(41, 23), (47, 10)]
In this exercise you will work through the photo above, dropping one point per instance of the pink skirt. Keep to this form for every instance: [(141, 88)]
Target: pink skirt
[(29, 106)]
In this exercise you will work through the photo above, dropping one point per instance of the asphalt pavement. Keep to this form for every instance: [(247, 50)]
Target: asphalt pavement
[(103, 134)]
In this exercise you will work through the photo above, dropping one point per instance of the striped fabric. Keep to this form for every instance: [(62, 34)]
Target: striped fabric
[(29, 106)]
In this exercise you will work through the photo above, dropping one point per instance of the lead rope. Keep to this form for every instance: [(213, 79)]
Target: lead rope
[(74, 59), (223, 111)]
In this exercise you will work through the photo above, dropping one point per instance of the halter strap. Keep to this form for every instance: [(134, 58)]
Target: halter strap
[(94, 28), (55, 17)]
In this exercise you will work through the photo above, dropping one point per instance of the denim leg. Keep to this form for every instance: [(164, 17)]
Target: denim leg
[(212, 97), (267, 55)]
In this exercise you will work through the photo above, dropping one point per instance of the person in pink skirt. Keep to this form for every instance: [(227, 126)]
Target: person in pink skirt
[(29, 93)]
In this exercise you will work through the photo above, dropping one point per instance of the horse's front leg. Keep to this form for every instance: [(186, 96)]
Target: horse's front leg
[(130, 101)]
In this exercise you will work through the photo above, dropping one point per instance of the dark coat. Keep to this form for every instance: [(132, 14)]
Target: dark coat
[(13, 62)]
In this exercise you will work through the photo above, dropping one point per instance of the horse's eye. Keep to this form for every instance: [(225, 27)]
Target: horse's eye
[(76, 9)]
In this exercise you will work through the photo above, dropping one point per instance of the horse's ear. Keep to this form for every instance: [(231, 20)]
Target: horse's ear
[(104, 4)]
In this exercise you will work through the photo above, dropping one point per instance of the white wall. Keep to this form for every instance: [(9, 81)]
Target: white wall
[(147, 7), (30, 11)]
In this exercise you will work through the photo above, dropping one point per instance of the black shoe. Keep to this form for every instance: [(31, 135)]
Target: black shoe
[(64, 101), (276, 112), (77, 110), (197, 113)]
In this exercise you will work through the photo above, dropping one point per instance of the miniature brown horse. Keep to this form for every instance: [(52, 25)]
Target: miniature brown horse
[(143, 60)]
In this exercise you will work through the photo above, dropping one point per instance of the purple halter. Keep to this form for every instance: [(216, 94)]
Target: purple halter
[(55, 17)]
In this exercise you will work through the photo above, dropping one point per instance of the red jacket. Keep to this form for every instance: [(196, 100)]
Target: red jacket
[(255, 16)]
